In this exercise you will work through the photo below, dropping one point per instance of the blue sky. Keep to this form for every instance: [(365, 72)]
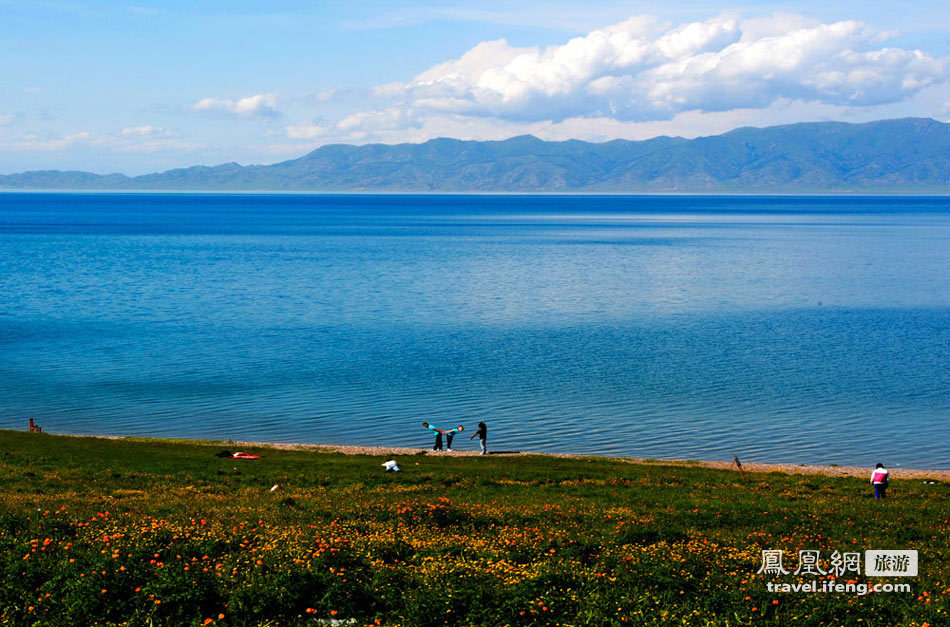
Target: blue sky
[(140, 87)]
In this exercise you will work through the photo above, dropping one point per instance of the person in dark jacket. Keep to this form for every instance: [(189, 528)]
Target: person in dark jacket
[(482, 434)]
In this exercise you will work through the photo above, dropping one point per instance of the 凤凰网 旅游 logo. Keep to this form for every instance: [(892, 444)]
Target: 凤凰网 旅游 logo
[(890, 563), (877, 563)]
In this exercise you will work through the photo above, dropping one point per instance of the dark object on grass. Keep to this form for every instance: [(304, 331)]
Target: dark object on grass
[(35, 428)]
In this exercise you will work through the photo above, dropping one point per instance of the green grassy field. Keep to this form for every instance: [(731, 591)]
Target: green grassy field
[(147, 532)]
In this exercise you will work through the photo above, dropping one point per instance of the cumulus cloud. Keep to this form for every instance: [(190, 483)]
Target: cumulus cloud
[(639, 70), (263, 105)]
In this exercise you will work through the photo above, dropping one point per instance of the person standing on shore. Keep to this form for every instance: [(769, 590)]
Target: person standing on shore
[(451, 434), (482, 434), (438, 436), (879, 481)]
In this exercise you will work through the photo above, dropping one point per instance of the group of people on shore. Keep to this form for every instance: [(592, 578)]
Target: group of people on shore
[(879, 476), (481, 433)]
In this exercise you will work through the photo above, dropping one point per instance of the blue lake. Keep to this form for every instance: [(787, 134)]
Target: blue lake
[(805, 330)]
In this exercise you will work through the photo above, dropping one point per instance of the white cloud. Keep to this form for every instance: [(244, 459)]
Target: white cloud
[(392, 118), (32, 141), (137, 139), (776, 25), (638, 70), (144, 131), (397, 125), (158, 145), (264, 105), (146, 10), (326, 95), (284, 149), (562, 16), (147, 139), (305, 131)]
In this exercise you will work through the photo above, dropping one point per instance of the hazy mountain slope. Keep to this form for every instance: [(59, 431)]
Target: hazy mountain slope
[(907, 155)]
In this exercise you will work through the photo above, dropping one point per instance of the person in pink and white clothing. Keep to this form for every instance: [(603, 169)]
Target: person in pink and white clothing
[(879, 481)]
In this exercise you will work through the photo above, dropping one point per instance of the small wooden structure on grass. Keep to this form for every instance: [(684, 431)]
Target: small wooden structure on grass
[(738, 464)]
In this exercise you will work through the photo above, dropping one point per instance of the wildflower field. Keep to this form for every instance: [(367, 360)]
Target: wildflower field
[(144, 532)]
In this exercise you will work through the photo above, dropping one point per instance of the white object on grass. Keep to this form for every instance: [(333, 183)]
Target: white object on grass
[(274, 489), (390, 466)]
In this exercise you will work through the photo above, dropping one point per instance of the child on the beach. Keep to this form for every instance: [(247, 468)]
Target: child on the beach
[(439, 433), (482, 434)]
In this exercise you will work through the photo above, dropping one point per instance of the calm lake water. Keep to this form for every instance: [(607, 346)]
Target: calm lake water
[(806, 330)]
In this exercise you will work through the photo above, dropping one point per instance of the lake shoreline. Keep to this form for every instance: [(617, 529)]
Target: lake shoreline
[(755, 467)]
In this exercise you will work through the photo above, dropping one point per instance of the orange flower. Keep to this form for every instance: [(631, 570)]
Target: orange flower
[(333, 612)]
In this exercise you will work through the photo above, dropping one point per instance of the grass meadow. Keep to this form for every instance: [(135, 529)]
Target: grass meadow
[(148, 532)]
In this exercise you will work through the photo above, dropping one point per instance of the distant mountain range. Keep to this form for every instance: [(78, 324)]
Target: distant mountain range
[(909, 155)]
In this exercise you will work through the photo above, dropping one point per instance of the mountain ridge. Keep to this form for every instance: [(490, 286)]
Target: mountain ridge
[(889, 156)]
